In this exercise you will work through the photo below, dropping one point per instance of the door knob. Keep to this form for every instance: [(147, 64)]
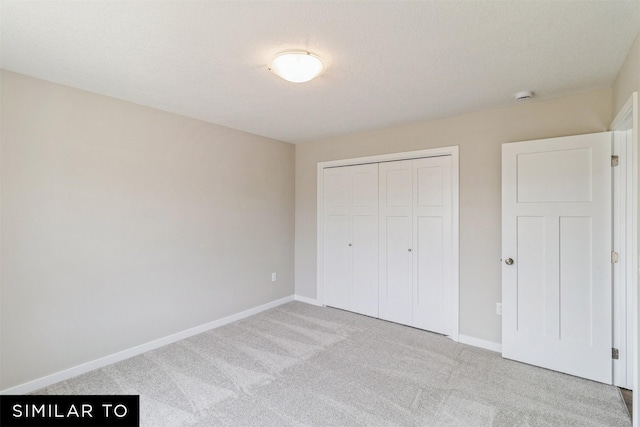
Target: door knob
[(508, 261), (349, 244), (409, 250)]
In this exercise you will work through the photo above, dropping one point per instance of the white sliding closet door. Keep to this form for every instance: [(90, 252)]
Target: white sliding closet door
[(351, 238), (416, 243)]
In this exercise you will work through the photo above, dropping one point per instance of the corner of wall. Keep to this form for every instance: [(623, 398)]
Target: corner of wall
[(628, 79)]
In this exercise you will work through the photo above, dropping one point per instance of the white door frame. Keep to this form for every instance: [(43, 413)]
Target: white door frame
[(627, 119), (434, 152), (624, 218)]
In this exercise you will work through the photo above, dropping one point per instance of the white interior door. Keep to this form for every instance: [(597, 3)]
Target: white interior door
[(556, 242)]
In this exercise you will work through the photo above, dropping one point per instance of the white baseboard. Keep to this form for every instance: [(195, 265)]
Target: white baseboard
[(477, 342), (137, 350), (306, 300)]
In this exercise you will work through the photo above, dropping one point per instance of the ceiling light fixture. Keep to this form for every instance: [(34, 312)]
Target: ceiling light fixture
[(524, 95), (297, 66)]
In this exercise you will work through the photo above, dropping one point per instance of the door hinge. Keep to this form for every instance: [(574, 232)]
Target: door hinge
[(615, 354), (614, 257), (615, 161)]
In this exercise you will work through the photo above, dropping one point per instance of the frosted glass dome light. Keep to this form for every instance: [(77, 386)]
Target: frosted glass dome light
[(296, 67)]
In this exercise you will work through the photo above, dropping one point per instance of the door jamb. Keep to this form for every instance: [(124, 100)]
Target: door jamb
[(452, 151), (627, 118)]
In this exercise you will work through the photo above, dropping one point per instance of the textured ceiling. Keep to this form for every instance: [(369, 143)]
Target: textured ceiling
[(389, 63)]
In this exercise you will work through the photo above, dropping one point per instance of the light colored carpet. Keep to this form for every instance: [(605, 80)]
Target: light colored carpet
[(299, 365)]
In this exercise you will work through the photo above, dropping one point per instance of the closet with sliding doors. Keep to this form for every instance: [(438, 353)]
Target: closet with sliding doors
[(387, 241)]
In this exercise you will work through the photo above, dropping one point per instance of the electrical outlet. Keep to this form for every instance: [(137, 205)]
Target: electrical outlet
[(274, 277), (499, 308)]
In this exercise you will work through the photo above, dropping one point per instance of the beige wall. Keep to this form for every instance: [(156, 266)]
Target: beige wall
[(628, 80), (479, 136), (122, 224)]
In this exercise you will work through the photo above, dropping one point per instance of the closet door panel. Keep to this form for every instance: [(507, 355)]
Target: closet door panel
[(396, 282), (336, 261), (363, 293), (337, 233), (350, 259), (430, 301), (363, 296), (429, 182), (396, 293), (364, 189), (398, 185), (336, 190), (433, 237)]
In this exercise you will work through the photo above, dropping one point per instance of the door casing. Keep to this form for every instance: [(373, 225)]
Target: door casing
[(628, 120)]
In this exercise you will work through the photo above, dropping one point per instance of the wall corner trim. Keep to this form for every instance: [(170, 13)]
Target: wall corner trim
[(477, 342), (139, 349)]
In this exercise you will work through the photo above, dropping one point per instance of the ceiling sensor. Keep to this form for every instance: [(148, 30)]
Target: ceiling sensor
[(524, 96)]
